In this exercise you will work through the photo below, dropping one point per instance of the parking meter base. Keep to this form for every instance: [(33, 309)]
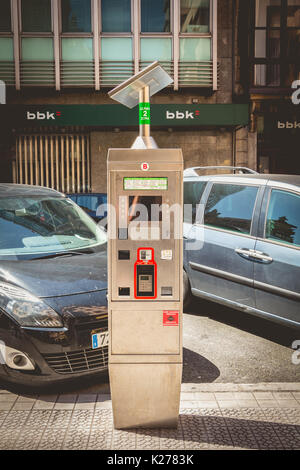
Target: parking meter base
[(145, 395)]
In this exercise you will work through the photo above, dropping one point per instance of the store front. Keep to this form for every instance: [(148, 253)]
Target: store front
[(65, 146), (278, 138)]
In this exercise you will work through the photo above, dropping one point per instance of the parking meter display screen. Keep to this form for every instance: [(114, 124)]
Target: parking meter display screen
[(145, 208), (150, 184)]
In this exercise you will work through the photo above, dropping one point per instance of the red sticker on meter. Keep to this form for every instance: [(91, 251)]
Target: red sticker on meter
[(145, 166), (170, 318)]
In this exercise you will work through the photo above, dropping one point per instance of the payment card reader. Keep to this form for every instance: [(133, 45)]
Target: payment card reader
[(145, 273), (145, 267)]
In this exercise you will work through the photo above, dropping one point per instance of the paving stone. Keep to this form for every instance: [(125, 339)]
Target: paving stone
[(222, 396), (263, 395), (268, 403), (283, 395), (3, 415), (60, 418), (239, 423), (6, 406), (123, 440), (67, 399), (64, 406), (38, 418), (23, 405), (288, 403), (101, 430), (78, 432), (8, 397), (44, 405)]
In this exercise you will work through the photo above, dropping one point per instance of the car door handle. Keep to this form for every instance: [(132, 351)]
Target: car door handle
[(254, 254), (244, 252), (262, 256)]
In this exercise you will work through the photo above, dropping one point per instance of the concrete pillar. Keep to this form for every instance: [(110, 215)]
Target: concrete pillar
[(246, 148)]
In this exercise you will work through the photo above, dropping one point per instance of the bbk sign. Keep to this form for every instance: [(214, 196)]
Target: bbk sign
[(113, 115), (288, 125), (182, 115), (42, 116)]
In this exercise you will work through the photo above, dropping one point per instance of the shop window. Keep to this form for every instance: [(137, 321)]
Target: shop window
[(155, 16), (156, 49), (194, 16), (230, 207), (6, 49), (195, 49), (116, 49), (76, 16), (116, 16), (36, 16), (283, 220), (37, 49), (5, 18), (77, 49)]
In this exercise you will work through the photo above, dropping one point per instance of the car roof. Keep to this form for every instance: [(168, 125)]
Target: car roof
[(293, 180), (26, 190)]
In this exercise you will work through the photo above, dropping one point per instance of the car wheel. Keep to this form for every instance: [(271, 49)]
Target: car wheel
[(187, 294)]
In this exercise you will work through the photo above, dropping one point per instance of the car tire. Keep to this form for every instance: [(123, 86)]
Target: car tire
[(187, 294)]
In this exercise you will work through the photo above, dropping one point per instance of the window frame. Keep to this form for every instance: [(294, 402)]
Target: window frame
[(206, 184), (70, 34), (269, 240), (117, 34), (211, 34), (157, 33), (10, 32), (97, 34), (207, 193), (35, 33), (283, 60), (196, 35)]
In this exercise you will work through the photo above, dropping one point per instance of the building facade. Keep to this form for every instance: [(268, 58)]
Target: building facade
[(269, 70), (59, 58)]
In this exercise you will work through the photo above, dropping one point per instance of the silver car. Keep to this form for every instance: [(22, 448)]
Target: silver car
[(242, 242)]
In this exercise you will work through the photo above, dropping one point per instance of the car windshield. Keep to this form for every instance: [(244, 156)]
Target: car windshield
[(32, 227)]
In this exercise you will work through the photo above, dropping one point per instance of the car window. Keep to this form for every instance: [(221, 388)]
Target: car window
[(230, 207), (33, 226), (283, 219), (193, 191)]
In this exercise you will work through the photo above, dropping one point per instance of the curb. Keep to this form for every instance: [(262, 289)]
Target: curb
[(259, 387)]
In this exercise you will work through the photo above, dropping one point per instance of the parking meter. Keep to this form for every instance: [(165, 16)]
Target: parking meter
[(145, 193)]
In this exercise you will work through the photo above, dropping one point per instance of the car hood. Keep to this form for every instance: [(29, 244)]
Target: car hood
[(60, 276)]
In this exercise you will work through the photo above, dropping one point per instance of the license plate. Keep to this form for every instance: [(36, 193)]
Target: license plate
[(99, 340)]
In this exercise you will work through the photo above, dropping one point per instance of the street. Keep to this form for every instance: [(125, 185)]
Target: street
[(227, 346)]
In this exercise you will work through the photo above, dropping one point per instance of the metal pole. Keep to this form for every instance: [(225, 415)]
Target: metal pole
[(144, 140), (144, 97)]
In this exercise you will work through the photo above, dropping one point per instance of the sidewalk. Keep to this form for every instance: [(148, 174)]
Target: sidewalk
[(212, 416)]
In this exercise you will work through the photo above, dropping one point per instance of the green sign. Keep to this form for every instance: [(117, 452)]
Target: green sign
[(114, 115), (144, 113), (151, 184)]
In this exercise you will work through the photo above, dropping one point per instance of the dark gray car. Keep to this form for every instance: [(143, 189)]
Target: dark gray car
[(242, 243)]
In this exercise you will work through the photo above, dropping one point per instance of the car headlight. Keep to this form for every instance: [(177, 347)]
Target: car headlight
[(27, 309)]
